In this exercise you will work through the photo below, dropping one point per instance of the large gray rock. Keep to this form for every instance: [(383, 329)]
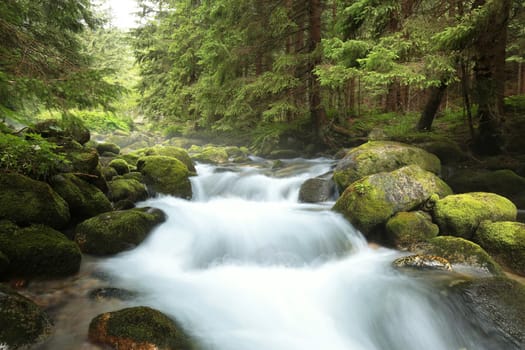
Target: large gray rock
[(368, 203), (316, 190), (381, 156), (26, 201)]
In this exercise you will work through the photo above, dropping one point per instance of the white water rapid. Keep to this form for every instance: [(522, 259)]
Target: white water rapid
[(244, 266)]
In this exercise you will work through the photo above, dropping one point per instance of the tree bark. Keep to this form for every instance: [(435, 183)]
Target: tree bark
[(489, 64), (432, 106)]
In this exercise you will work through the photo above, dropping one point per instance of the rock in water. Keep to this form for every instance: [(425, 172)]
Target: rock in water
[(165, 175), (406, 229), (316, 190), (139, 328), (381, 156), (22, 322), (117, 231), (423, 262), (460, 215), (505, 241), (368, 203)]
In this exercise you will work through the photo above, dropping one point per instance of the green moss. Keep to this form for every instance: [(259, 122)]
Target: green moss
[(22, 322), (505, 241), (138, 325), (209, 154), (113, 232), (165, 175), (380, 156), (369, 202), (503, 182), (109, 173), (174, 152), (406, 229), (84, 200), (126, 189), (26, 201), (460, 215), (120, 165), (104, 147), (133, 157), (135, 175), (38, 251), (84, 160), (460, 251)]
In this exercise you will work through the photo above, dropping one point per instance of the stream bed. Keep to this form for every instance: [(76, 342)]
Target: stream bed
[(244, 265)]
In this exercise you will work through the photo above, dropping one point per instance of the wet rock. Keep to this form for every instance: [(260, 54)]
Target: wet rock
[(117, 231), (381, 156), (316, 190), (126, 189), (459, 251), (38, 251), (84, 199), (460, 215), (505, 241), (368, 203), (503, 182), (26, 201), (139, 328), (284, 154), (104, 147), (22, 323), (165, 175), (406, 229), (423, 262), (112, 293), (500, 301), (135, 175), (120, 165)]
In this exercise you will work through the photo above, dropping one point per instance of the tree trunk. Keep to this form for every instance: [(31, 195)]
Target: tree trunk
[(489, 65), (432, 106), (318, 115)]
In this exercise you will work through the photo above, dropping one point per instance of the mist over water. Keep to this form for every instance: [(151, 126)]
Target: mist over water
[(245, 266)]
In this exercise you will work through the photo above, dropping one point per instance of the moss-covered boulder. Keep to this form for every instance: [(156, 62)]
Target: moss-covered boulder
[(503, 182), (498, 301), (109, 173), (369, 202), (26, 201), (209, 154), (381, 156), (57, 129), (107, 147), (165, 175), (406, 229), (126, 189), (83, 160), (22, 323), (120, 165), (174, 152), (460, 215), (238, 154), (505, 241), (116, 231), (38, 251), (138, 328), (448, 151), (461, 252), (84, 199), (135, 175), (317, 190)]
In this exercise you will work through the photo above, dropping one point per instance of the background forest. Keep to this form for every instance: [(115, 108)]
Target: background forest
[(263, 71)]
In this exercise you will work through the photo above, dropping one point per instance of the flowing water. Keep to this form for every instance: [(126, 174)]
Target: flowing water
[(245, 266)]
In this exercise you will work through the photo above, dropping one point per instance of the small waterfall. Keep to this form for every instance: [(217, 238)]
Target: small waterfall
[(245, 266)]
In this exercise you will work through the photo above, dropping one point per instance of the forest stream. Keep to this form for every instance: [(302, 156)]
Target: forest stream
[(244, 265)]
